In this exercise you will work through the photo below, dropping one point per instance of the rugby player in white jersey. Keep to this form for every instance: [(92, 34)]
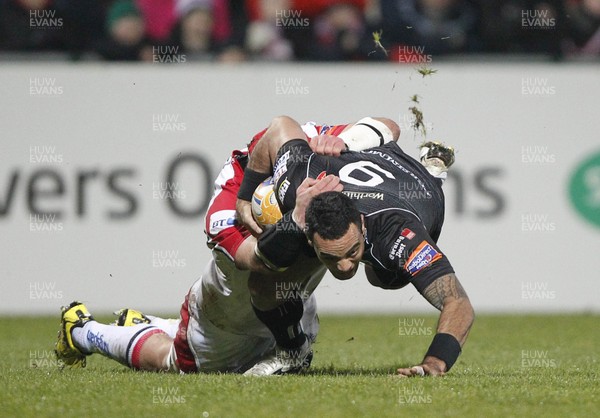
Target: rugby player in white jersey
[(218, 329)]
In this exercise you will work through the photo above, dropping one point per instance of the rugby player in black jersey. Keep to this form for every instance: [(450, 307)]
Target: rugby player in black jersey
[(388, 216)]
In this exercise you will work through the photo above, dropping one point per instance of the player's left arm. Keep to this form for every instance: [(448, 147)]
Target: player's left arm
[(456, 318), (260, 165), (370, 132), (366, 133)]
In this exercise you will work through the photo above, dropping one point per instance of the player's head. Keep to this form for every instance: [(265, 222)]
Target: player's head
[(335, 229)]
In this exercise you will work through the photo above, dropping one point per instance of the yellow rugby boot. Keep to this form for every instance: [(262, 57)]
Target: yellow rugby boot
[(127, 317), (74, 315)]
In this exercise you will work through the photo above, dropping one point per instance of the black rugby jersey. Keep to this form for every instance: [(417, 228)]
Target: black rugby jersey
[(402, 203)]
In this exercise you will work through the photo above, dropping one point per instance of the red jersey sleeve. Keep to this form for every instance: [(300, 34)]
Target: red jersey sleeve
[(221, 226)]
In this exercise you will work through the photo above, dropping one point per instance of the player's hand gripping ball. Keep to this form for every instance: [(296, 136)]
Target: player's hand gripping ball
[(265, 208)]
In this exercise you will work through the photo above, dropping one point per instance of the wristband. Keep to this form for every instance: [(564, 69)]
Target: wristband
[(250, 182), (446, 348)]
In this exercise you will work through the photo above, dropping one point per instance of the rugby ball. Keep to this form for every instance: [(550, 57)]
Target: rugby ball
[(265, 208)]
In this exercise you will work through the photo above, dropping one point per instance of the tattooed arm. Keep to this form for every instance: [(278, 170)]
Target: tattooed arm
[(456, 318), (448, 295)]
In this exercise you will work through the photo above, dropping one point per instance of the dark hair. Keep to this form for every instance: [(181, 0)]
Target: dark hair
[(330, 215)]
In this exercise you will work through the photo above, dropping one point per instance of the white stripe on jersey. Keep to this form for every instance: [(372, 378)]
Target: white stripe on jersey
[(308, 165), (405, 210), (376, 259)]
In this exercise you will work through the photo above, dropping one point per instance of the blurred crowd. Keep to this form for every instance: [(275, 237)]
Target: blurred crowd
[(300, 30)]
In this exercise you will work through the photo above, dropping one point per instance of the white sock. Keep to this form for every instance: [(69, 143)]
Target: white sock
[(122, 344), (169, 326)]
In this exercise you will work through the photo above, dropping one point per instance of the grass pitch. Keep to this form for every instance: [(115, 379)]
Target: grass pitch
[(512, 366)]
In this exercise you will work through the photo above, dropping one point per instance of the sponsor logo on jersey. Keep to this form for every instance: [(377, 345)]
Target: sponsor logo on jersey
[(221, 220), (423, 256), (321, 175), (280, 166), (324, 129), (283, 188), (364, 195), (407, 233), (397, 248)]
